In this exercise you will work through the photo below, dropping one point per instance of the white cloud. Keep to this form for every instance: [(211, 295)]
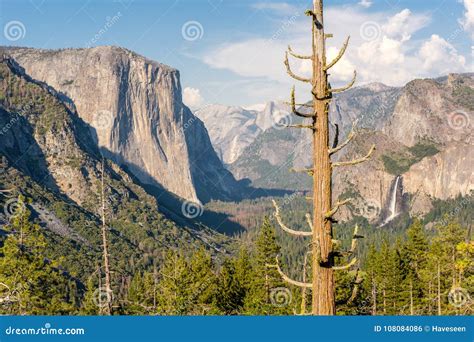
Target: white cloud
[(192, 97), (467, 21), (365, 3), (281, 7), (403, 24), (250, 58), (440, 56), (389, 54)]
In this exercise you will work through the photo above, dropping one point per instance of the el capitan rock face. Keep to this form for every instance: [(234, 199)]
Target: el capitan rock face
[(48, 155), (135, 110)]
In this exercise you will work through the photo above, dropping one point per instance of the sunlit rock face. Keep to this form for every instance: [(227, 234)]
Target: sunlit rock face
[(134, 107)]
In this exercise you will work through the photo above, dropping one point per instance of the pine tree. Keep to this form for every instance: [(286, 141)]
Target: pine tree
[(136, 296), (174, 287), (244, 270), (203, 281), (32, 283), (230, 296), (266, 283), (415, 255), (89, 301), (372, 269), (450, 236)]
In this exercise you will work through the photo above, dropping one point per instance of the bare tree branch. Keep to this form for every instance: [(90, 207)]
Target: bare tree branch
[(293, 106), (290, 51), (355, 290), (300, 126), (336, 208), (336, 136), (348, 86), (284, 227), (339, 56), (309, 220), (356, 161), (355, 238), (296, 77), (299, 104), (325, 97), (303, 291), (345, 267), (308, 171), (288, 279), (348, 140)]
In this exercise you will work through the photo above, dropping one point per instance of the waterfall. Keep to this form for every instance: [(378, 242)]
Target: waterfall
[(393, 203)]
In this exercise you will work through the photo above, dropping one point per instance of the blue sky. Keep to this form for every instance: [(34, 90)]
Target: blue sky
[(231, 51)]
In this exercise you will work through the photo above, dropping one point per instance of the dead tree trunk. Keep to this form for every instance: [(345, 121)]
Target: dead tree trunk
[(108, 289), (323, 277), (374, 299), (439, 289), (323, 291), (303, 291)]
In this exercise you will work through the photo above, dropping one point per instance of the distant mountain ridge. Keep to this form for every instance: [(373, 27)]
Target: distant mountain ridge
[(423, 132), (233, 128)]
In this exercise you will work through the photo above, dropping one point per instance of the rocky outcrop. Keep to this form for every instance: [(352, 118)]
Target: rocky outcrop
[(135, 110), (230, 128), (444, 175), (233, 128), (437, 110)]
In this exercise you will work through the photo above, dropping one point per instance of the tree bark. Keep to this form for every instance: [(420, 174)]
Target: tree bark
[(323, 302)]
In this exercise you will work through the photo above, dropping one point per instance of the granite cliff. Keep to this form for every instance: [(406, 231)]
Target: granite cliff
[(134, 108)]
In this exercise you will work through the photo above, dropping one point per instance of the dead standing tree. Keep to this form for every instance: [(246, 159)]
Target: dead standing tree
[(323, 249), (108, 289)]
